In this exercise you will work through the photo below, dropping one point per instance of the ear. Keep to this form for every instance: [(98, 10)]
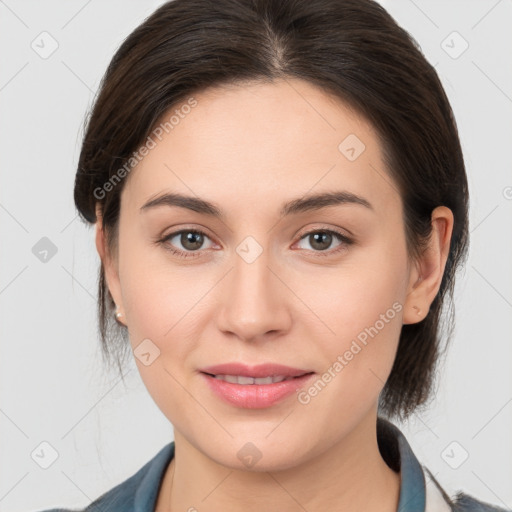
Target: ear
[(110, 264), (427, 273)]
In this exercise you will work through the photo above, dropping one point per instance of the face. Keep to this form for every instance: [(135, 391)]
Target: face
[(318, 289)]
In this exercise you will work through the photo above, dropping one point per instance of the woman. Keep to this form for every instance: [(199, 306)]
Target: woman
[(281, 205)]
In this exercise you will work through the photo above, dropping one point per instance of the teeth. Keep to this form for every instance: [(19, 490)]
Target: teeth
[(239, 379)]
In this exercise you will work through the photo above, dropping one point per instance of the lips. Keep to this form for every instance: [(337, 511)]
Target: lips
[(247, 381), (254, 387), (258, 371)]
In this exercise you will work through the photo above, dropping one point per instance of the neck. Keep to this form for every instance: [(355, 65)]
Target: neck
[(350, 476)]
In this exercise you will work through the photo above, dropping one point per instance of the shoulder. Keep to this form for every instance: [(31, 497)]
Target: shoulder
[(139, 490), (437, 499), (120, 497), (465, 503)]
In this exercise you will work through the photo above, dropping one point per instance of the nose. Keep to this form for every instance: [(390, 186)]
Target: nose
[(255, 301)]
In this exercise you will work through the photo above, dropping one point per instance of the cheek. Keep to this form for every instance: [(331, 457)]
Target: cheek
[(165, 303), (360, 308), (159, 305), (367, 289), (156, 291)]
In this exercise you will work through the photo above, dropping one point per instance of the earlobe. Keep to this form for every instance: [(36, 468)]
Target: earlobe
[(109, 267), (414, 310), (117, 316), (427, 274)]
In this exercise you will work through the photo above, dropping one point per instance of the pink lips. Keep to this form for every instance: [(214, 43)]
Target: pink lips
[(255, 396)]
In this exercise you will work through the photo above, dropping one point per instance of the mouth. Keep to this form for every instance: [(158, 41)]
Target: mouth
[(255, 387), (244, 380)]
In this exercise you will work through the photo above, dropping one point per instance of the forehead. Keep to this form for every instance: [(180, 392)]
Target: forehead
[(260, 144)]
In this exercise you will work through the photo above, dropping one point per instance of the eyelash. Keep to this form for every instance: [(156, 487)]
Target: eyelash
[(194, 254)]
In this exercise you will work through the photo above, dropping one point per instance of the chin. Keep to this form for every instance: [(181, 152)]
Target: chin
[(258, 456)]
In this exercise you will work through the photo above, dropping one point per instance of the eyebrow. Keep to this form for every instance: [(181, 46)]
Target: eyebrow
[(303, 204)]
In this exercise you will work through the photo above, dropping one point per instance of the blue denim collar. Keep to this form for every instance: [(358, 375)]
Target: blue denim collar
[(398, 454)]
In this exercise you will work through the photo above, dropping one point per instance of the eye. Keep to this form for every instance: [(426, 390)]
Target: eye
[(191, 241), (321, 239)]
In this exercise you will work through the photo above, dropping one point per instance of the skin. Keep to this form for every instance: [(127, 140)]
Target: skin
[(250, 149)]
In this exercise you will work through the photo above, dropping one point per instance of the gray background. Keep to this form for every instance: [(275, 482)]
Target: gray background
[(53, 387)]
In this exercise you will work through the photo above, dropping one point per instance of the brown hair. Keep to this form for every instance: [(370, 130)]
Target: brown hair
[(350, 48)]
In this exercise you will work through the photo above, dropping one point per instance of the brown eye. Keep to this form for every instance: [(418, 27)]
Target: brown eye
[(321, 240), (191, 240), (186, 242)]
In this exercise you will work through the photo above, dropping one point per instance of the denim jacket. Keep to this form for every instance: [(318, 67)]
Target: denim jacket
[(419, 490)]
